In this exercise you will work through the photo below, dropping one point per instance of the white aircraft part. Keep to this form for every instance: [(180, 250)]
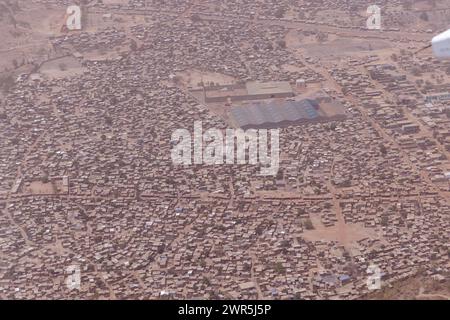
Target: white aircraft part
[(441, 45)]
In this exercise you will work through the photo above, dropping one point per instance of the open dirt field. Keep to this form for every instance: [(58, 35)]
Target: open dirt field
[(345, 47), (61, 68), (416, 288), (193, 77), (38, 187), (354, 232), (25, 33)]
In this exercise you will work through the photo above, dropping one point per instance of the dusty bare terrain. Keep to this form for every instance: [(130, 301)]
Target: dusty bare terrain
[(414, 288)]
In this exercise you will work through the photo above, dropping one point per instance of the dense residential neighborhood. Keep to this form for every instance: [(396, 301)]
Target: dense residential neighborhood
[(87, 179)]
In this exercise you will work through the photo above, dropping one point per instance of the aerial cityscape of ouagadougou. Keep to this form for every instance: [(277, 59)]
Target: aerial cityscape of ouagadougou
[(108, 191)]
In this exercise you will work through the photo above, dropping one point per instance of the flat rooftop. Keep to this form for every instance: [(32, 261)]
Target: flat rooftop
[(226, 92), (273, 87), (250, 90)]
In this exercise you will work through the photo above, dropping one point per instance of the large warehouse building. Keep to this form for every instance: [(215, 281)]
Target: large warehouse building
[(274, 114), (249, 91)]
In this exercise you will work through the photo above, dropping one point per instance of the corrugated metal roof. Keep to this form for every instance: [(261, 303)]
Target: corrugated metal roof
[(261, 113)]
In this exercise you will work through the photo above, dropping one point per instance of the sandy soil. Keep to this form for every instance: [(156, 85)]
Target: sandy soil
[(413, 288), (345, 47), (193, 77), (62, 68), (37, 187), (34, 25), (354, 232)]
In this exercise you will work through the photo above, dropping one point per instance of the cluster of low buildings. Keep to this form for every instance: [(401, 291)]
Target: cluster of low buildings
[(136, 226)]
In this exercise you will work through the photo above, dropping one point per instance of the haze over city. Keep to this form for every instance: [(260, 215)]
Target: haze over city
[(224, 149)]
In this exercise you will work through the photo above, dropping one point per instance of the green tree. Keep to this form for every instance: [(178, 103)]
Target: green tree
[(308, 224), (424, 16), (279, 13), (383, 150), (279, 268)]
